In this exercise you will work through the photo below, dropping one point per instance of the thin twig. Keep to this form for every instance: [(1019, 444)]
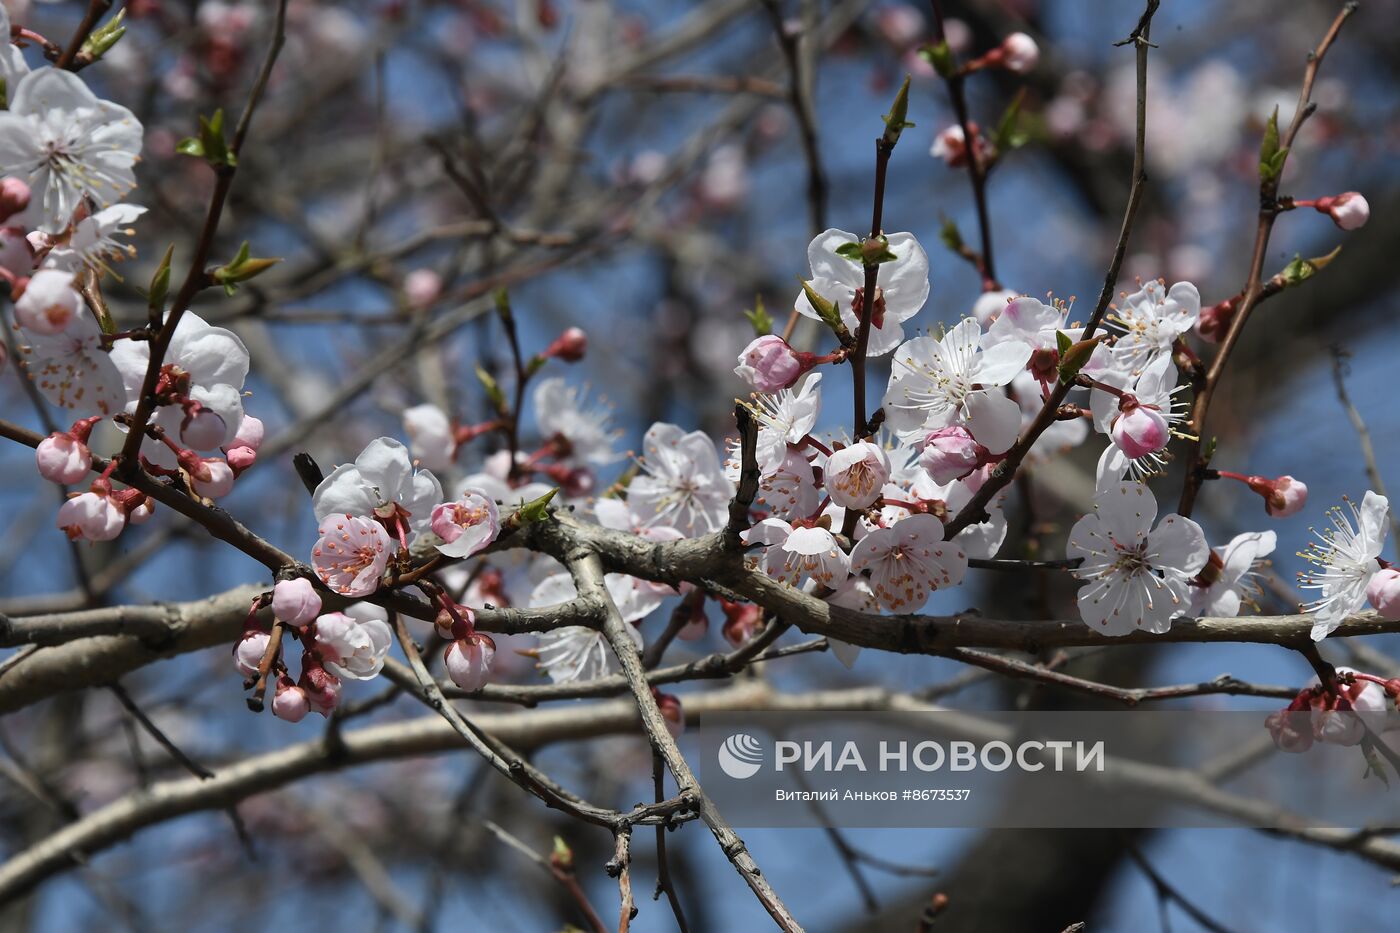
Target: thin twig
[(1363, 434), (1005, 471), (1196, 463)]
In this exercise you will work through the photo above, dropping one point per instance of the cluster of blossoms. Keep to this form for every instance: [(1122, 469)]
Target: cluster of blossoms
[(957, 401), (1341, 713), (69, 160), (859, 520)]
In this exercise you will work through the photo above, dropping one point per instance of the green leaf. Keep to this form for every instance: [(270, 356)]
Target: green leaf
[(759, 317), (1300, 270), (536, 510), (210, 144), (951, 235), (826, 310), (1271, 156), (1374, 763), (1008, 134), (101, 39), (493, 389), (242, 267), (851, 251), (940, 56), (160, 284), (1063, 342), (895, 120), (1073, 357), (1210, 449), (501, 297)]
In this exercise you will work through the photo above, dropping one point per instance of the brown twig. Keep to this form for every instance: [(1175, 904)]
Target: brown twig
[(1268, 214), (1363, 434), (976, 508), (96, 9), (565, 876), (196, 279), (976, 169)]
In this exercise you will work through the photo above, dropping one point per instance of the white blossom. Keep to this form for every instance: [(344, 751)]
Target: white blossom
[(67, 145), (383, 484), (1138, 577), (935, 383), (1230, 572), (908, 561), (902, 283), (1344, 558), (682, 485), (564, 411)]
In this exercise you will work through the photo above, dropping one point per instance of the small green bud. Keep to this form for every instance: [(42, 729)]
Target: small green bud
[(895, 122), (536, 510), (1073, 357), (1271, 156), (759, 317), (101, 39), (240, 269), (940, 56), (493, 389)]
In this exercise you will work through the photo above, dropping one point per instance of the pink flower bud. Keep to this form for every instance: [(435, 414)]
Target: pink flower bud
[(950, 145), (741, 621), (769, 364), (14, 197), (321, 687), (141, 512), (48, 303), (951, 453), (672, 712), (1348, 210), (250, 433), (468, 660), (16, 255), (1383, 593), (202, 428), (296, 602), (1291, 727), (855, 475), (570, 346), (248, 652), (1019, 53), (219, 483), (240, 459), (91, 517), (1283, 497), (1215, 321), (195, 465), (62, 458), (902, 25), (1139, 430), (290, 702), (421, 287)]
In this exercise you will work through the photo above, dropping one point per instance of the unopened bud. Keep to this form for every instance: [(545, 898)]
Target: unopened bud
[(1348, 210), (14, 197), (1383, 593), (570, 346)]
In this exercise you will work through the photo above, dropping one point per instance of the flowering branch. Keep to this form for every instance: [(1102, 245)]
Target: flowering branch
[(1005, 471), (1254, 287), (197, 279)]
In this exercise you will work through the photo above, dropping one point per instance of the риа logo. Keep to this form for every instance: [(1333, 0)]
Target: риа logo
[(741, 756)]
